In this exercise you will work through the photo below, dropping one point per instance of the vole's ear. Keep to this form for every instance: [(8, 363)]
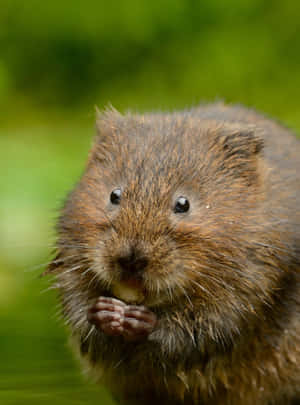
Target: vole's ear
[(239, 150), (108, 123), (243, 143)]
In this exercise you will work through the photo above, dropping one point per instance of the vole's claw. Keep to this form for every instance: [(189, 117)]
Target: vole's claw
[(107, 314), (138, 322), (140, 313)]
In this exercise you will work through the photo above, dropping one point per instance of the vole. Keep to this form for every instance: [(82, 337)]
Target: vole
[(178, 258)]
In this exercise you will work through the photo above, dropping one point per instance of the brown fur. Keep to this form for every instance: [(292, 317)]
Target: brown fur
[(223, 279)]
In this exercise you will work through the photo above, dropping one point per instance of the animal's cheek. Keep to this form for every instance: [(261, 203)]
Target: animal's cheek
[(102, 271)]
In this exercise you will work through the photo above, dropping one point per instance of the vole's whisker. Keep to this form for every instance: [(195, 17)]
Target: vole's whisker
[(51, 287), (181, 288), (88, 270)]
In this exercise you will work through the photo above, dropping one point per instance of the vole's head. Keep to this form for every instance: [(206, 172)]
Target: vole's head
[(161, 212)]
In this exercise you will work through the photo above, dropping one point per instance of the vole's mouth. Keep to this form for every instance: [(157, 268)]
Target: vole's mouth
[(129, 290)]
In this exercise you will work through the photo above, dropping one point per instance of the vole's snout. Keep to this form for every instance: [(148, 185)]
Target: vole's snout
[(132, 263)]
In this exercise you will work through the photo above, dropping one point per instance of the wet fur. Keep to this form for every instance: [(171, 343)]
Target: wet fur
[(223, 279)]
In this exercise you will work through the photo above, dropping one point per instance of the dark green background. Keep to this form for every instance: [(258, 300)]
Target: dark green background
[(58, 60)]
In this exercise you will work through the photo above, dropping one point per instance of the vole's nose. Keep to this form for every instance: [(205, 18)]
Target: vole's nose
[(132, 263)]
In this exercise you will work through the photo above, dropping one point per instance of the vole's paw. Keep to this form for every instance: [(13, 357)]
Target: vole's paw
[(138, 322), (107, 314), (115, 318)]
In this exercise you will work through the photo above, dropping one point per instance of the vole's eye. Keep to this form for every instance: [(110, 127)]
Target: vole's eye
[(181, 205), (115, 196)]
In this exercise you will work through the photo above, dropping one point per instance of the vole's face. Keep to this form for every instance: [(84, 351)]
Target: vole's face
[(137, 256), (158, 214)]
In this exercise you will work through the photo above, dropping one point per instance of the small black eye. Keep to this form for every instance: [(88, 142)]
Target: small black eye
[(181, 205), (115, 196)]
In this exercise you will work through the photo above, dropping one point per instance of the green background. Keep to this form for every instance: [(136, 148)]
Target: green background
[(58, 60)]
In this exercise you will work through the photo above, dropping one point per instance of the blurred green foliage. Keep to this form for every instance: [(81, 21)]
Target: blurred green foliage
[(60, 58), (64, 56)]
